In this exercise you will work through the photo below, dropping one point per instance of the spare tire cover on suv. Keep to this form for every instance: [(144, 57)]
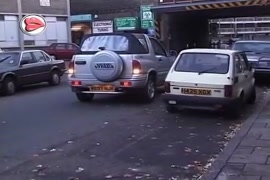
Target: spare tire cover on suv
[(106, 66)]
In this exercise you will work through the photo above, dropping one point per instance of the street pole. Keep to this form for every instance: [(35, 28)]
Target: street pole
[(20, 16), (69, 22)]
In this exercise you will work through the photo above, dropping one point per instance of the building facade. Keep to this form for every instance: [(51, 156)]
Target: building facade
[(248, 28), (56, 14)]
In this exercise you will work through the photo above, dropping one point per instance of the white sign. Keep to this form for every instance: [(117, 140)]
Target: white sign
[(102, 27), (45, 2)]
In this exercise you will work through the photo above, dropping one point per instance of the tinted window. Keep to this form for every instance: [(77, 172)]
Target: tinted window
[(257, 47), (109, 42), (158, 49), (28, 57), (39, 56), (9, 59), (207, 62)]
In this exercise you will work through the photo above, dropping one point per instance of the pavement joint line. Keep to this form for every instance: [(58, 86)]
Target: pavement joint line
[(232, 145)]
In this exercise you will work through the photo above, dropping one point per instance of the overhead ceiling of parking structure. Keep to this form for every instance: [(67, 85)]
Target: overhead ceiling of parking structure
[(217, 9), (225, 13), (102, 6)]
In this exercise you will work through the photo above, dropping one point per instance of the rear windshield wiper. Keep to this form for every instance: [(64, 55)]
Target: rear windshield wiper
[(206, 70)]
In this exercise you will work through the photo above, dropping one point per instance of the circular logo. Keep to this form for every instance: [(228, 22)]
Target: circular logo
[(33, 24)]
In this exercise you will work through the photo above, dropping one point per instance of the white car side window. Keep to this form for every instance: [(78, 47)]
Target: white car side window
[(238, 65)]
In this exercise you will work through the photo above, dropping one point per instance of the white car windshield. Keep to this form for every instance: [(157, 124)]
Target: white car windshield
[(108, 42), (203, 63)]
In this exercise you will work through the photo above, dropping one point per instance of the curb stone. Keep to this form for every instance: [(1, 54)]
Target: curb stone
[(227, 152)]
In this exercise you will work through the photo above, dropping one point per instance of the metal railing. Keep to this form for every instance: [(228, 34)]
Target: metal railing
[(245, 19), (264, 29), (246, 29), (226, 30)]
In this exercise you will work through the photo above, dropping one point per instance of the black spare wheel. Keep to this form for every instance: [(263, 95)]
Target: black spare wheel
[(106, 66)]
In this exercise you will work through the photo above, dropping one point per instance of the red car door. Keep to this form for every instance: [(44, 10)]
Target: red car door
[(60, 51)]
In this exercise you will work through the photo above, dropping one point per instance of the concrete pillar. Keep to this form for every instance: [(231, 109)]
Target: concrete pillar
[(21, 35)]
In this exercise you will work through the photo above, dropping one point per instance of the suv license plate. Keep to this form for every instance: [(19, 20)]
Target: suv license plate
[(204, 92), (102, 88)]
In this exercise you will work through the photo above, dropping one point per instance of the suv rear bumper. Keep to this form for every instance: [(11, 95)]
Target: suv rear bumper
[(136, 83), (195, 101)]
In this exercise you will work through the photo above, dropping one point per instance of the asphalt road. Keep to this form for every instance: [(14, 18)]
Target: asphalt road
[(45, 133)]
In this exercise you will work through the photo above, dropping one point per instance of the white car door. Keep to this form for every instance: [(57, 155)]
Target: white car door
[(239, 76), (247, 73)]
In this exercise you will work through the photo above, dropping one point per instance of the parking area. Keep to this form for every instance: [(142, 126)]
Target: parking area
[(47, 134)]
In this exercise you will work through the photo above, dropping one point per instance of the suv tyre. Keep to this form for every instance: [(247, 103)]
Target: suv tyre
[(149, 91)]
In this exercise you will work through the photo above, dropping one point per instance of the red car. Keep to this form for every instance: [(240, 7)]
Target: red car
[(62, 51)]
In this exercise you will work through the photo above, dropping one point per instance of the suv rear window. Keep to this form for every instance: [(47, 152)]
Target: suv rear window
[(203, 62), (109, 42)]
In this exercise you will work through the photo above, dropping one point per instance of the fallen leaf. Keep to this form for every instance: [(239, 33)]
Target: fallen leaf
[(187, 149), (108, 176), (153, 138), (70, 142), (52, 150), (97, 144), (92, 156), (138, 177), (134, 169), (106, 123), (35, 155), (80, 169), (4, 122), (127, 175), (170, 146)]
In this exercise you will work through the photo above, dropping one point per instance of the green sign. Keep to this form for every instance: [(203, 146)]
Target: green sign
[(126, 23), (147, 17)]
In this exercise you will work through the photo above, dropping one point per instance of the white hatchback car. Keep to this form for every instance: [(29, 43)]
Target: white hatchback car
[(210, 79)]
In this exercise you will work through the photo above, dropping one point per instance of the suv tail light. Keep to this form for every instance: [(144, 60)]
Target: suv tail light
[(136, 67), (71, 66), (228, 90), (167, 87)]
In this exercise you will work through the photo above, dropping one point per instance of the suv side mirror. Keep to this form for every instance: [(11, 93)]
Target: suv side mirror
[(173, 53)]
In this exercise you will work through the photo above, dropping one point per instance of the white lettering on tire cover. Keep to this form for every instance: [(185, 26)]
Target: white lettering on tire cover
[(106, 66)]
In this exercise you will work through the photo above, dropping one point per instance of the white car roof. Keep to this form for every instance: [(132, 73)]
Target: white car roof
[(214, 51)]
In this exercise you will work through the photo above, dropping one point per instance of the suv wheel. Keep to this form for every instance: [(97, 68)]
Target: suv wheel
[(9, 86), (150, 90), (83, 97), (252, 97)]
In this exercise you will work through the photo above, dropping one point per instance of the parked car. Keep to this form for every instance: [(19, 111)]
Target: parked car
[(258, 54), (62, 51), (20, 68), (119, 63), (210, 79)]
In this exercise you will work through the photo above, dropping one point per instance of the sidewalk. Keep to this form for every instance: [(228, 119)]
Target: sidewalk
[(247, 155)]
